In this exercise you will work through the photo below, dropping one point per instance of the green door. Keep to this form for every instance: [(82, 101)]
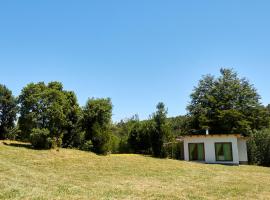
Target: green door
[(224, 151), (196, 151)]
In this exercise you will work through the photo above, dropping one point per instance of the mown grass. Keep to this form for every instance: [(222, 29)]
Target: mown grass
[(70, 174)]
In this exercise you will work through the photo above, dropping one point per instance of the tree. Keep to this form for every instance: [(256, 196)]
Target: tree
[(160, 134), (8, 110), (31, 108), (226, 104), (122, 130), (73, 135), (139, 138), (96, 121), (259, 147), (178, 125), (43, 107)]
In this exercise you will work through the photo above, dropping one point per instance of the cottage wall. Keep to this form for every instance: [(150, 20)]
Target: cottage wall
[(209, 145), (242, 151)]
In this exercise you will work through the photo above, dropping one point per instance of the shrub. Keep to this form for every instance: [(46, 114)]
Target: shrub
[(87, 146), (124, 146), (40, 139), (139, 139), (12, 133), (101, 140), (114, 144), (174, 150), (259, 147), (76, 139)]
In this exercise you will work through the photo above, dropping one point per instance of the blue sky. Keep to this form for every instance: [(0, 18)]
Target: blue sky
[(136, 52)]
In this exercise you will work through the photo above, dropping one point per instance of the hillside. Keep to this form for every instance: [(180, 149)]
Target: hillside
[(72, 174)]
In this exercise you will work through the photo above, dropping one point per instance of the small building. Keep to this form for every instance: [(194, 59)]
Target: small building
[(216, 148)]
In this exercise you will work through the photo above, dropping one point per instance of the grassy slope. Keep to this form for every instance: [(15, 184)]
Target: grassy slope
[(72, 174)]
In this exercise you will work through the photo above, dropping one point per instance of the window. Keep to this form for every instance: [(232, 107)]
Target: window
[(196, 151), (224, 151)]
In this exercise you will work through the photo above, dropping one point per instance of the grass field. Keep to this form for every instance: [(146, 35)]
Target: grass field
[(72, 174)]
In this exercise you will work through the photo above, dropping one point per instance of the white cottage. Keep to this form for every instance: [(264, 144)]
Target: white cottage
[(216, 148)]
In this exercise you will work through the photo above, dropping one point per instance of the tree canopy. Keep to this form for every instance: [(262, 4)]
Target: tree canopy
[(46, 107), (161, 131), (8, 110), (226, 104), (50, 116), (97, 116)]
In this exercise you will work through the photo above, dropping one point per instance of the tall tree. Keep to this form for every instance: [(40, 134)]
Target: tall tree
[(32, 108), (226, 103), (72, 129), (161, 131), (8, 110), (97, 116)]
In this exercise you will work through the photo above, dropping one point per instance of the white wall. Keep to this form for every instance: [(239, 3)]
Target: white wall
[(242, 150), (209, 145)]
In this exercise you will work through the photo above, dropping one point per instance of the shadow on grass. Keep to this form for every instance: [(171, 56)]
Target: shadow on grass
[(19, 145)]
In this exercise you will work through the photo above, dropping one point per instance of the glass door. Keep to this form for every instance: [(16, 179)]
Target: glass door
[(196, 152)]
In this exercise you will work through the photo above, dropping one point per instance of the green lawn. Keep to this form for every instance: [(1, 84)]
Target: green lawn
[(72, 174)]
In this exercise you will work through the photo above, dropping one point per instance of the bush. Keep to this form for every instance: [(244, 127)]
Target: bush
[(124, 146), (40, 139), (13, 133), (139, 139), (76, 139), (179, 151), (259, 147), (101, 140), (87, 146), (174, 150), (114, 144)]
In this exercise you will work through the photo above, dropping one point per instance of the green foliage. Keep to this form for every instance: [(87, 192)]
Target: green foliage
[(73, 136), (87, 146), (48, 107), (50, 116), (8, 110), (122, 130), (101, 137), (13, 133), (96, 121), (175, 150), (140, 137), (226, 103), (124, 146), (114, 144), (161, 131), (178, 125), (259, 147), (40, 139)]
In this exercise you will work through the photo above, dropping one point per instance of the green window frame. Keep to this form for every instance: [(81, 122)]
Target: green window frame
[(223, 151), (196, 152)]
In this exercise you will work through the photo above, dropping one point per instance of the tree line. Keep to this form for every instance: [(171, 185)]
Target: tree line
[(49, 117)]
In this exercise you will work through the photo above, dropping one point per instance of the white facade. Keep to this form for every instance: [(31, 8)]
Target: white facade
[(238, 144), (242, 151)]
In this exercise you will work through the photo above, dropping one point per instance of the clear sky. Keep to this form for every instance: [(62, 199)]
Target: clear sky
[(137, 52)]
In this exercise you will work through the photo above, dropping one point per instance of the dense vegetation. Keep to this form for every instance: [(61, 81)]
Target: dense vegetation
[(50, 117), (227, 104), (8, 110)]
